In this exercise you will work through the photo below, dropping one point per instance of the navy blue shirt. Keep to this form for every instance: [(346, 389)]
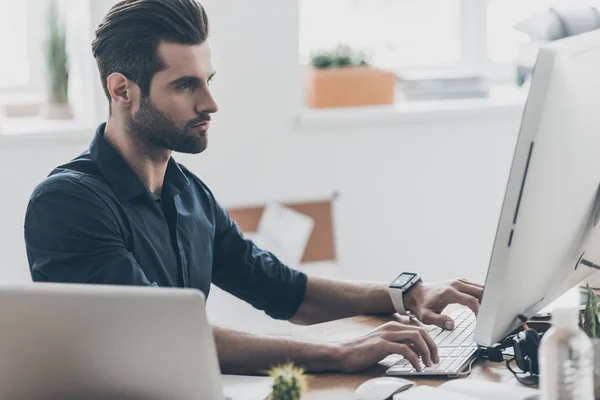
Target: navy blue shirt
[(93, 221)]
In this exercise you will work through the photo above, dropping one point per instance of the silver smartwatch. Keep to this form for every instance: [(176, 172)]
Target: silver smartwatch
[(404, 282)]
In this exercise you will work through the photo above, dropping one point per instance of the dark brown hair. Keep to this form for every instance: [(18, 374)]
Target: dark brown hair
[(127, 39)]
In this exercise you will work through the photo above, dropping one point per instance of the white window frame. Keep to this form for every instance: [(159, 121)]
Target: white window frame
[(474, 37), (36, 23), (80, 23), (474, 43)]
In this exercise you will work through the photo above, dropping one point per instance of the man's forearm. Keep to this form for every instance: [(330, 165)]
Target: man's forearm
[(246, 353), (327, 299)]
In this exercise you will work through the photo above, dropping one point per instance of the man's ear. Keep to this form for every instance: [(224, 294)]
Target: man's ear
[(122, 91)]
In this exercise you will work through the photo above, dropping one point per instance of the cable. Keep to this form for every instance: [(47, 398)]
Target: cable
[(534, 378), (468, 371), (509, 337)]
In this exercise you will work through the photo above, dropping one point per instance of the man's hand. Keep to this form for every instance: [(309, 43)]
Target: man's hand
[(412, 342), (427, 301)]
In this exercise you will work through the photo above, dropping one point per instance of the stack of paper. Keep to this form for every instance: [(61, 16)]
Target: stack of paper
[(434, 85)]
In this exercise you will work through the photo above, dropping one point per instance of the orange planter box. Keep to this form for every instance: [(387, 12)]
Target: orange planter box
[(349, 87)]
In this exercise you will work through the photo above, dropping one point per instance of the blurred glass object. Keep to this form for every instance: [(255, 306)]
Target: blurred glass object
[(14, 68), (503, 39)]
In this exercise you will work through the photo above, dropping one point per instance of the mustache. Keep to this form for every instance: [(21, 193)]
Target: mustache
[(204, 117)]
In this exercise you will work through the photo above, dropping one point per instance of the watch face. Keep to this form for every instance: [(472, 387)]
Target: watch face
[(402, 280)]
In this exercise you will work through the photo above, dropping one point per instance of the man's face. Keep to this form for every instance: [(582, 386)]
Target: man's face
[(177, 112)]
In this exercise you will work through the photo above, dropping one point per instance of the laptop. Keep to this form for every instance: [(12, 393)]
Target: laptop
[(97, 341)]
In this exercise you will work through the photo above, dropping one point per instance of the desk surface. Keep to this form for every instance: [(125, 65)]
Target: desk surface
[(342, 386)]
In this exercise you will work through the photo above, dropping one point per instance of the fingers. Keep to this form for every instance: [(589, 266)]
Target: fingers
[(463, 280), (433, 349), (429, 342), (413, 337), (441, 320), (468, 288), (454, 296), (407, 352)]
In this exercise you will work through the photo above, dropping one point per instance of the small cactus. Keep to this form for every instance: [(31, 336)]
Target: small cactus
[(289, 382), (589, 319)]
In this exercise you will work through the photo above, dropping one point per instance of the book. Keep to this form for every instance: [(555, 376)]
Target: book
[(469, 389), (242, 387), (431, 85)]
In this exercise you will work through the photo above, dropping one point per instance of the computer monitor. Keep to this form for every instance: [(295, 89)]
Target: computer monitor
[(547, 237)]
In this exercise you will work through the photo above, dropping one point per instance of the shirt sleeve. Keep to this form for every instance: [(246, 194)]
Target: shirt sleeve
[(71, 236), (252, 274)]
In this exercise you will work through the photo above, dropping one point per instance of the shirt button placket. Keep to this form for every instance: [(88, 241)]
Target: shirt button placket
[(182, 256)]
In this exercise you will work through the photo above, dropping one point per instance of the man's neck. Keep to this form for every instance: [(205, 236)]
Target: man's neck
[(147, 161)]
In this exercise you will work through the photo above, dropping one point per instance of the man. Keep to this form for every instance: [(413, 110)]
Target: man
[(126, 213)]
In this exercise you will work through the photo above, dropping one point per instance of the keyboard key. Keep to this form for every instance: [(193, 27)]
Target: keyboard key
[(456, 364), (457, 352), (436, 330), (455, 315), (447, 342), (445, 364), (459, 340), (401, 363), (392, 359), (445, 351), (443, 335), (401, 368)]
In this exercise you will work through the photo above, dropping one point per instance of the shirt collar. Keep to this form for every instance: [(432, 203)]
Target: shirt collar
[(123, 180), (175, 180)]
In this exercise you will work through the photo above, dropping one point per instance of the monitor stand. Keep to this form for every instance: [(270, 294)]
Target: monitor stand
[(590, 256)]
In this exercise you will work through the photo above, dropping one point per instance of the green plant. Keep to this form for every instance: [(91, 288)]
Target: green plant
[(289, 382), (341, 56), (588, 320), (57, 59)]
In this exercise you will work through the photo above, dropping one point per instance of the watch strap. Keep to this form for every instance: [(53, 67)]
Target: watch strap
[(397, 296)]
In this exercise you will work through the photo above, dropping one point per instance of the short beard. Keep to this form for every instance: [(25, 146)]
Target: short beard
[(160, 130)]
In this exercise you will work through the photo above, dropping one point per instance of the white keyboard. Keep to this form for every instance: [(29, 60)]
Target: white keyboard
[(456, 348)]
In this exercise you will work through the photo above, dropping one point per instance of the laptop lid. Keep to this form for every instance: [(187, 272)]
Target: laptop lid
[(67, 340)]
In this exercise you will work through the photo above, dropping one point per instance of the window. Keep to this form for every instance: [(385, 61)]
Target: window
[(14, 70), (395, 33), (440, 34), (23, 71), (22, 25)]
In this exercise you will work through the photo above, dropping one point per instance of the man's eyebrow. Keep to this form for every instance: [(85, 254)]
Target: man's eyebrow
[(189, 79)]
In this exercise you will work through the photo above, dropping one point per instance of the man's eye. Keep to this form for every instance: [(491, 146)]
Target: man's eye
[(185, 86)]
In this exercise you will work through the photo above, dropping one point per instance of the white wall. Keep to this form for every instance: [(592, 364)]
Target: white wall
[(422, 196)]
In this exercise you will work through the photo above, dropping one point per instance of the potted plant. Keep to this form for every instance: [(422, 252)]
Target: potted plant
[(57, 67), (341, 77), (289, 382), (589, 322)]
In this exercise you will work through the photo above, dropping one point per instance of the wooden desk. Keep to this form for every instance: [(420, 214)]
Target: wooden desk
[(342, 386)]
